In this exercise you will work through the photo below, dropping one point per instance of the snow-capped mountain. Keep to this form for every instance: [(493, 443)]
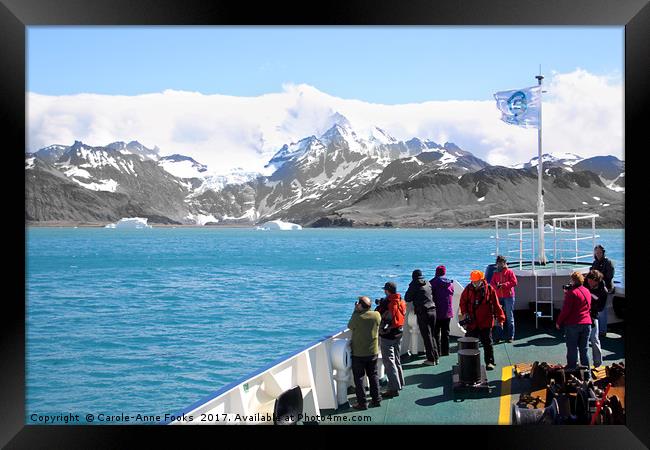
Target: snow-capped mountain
[(566, 160), (607, 167), (325, 172), (433, 157), (51, 153), (440, 198), (327, 175), (610, 169), (135, 148), (89, 183)]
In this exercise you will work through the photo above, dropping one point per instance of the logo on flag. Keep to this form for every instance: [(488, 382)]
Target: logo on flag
[(520, 107)]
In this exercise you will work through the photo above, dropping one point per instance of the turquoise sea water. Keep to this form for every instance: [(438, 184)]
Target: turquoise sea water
[(150, 321)]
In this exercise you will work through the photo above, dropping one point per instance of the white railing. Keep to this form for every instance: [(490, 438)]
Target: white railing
[(574, 238), (524, 238), (524, 254)]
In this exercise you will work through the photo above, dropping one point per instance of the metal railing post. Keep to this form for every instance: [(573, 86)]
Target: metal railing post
[(532, 244), (555, 244), (496, 224), (593, 233), (521, 243), (575, 227), (532, 239), (507, 236)]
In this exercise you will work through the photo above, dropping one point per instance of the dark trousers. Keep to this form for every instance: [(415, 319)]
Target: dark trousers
[(365, 366), (427, 326), (486, 339), (441, 334)]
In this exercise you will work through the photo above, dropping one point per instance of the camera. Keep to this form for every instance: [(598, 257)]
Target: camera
[(464, 322), (378, 301)]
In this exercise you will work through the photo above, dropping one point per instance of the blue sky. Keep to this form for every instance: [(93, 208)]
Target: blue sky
[(375, 64)]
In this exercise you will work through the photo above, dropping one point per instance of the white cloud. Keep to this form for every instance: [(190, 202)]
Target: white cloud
[(583, 114)]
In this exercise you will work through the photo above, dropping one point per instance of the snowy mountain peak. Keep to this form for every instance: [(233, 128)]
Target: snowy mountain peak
[(340, 119), (292, 151), (51, 153), (554, 159), (380, 136), (337, 131), (134, 148)]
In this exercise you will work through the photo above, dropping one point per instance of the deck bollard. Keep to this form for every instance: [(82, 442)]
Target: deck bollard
[(470, 366), (467, 343)]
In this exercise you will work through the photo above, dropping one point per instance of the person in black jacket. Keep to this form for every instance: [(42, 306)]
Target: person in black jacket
[(419, 292), (603, 265), (596, 285)]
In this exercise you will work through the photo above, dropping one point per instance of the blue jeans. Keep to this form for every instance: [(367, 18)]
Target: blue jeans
[(577, 341), (602, 319), (508, 305), (596, 351)]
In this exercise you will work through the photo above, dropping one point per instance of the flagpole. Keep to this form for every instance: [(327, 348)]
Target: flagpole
[(540, 175)]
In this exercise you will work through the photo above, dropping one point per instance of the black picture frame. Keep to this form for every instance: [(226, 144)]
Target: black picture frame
[(16, 15)]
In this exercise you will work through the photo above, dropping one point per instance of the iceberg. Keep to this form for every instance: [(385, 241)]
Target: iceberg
[(131, 223), (279, 225), (549, 228)]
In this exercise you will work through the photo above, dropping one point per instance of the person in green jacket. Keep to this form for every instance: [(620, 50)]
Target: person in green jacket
[(364, 325)]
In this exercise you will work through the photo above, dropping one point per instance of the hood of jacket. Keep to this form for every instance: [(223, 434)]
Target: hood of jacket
[(420, 281), (443, 280)]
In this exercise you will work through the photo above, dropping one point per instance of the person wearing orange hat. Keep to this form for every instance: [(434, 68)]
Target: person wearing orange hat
[(480, 306)]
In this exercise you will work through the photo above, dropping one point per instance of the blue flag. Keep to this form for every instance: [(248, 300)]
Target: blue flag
[(520, 106)]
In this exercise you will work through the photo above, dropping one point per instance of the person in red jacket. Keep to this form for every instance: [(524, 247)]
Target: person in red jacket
[(480, 305), (392, 309), (575, 317), (504, 282)]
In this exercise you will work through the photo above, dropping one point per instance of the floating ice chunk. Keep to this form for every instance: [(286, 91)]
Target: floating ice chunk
[(549, 227), (130, 223), (279, 225), (585, 203), (597, 198), (481, 199)]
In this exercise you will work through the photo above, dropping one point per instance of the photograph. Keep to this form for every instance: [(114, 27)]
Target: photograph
[(325, 225)]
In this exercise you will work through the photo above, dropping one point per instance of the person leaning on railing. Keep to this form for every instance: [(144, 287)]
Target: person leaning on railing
[(442, 289), (575, 317), (419, 292), (364, 325), (392, 309)]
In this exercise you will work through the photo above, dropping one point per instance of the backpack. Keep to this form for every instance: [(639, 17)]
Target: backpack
[(386, 325)]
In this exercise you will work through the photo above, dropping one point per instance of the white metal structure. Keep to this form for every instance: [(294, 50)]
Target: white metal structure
[(566, 249)]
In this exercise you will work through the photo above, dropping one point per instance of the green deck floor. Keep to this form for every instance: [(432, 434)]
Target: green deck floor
[(428, 397)]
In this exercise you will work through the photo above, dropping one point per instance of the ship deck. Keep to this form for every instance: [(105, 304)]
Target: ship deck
[(428, 396)]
